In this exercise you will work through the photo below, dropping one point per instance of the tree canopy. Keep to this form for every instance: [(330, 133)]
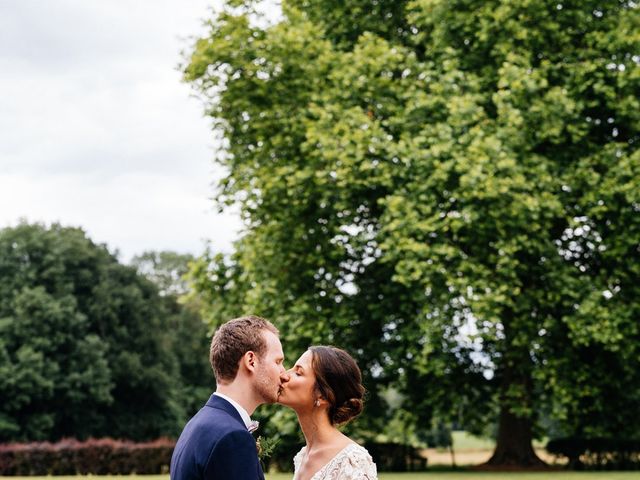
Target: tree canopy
[(85, 342), (447, 189)]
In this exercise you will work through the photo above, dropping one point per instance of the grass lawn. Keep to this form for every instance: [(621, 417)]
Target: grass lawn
[(496, 476), (402, 476)]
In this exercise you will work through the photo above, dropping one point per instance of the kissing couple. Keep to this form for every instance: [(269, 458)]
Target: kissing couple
[(324, 388)]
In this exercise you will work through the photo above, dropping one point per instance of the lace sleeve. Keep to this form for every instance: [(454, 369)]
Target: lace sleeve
[(355, 465), (296, 460)]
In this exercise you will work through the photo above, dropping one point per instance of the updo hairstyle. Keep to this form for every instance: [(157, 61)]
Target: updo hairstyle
[(339, 382)]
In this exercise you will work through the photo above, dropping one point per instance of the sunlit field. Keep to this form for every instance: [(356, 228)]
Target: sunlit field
[(471, 450)]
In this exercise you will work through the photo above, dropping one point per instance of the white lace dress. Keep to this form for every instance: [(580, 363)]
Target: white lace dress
[(353, 462)]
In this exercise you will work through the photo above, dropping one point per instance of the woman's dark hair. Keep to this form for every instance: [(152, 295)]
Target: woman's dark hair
[(339, 382)]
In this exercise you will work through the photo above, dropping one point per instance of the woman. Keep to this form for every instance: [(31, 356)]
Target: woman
[(325, 390)]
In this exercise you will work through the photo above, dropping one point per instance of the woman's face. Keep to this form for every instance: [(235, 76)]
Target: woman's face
[(298, 393)]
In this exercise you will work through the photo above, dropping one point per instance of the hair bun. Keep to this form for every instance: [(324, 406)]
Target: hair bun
[(347, 411)]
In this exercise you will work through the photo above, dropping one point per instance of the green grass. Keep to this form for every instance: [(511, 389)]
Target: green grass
[(496, 476), (402, 476)]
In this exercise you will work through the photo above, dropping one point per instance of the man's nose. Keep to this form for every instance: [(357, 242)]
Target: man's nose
[(284, 376)]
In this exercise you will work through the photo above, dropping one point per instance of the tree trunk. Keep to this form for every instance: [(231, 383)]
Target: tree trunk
[(514, 446)]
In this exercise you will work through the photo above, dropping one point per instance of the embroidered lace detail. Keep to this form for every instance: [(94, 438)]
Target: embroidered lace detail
[(353, 462)]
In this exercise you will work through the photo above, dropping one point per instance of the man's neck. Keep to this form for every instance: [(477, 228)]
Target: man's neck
[(240, 394)]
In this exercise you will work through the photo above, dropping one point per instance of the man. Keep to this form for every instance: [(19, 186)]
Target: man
[(247, 361)]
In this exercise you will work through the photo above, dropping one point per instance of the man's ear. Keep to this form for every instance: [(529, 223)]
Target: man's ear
[(249, 361)]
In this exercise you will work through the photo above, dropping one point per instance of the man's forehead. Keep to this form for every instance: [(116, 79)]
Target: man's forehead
[(273, 342)]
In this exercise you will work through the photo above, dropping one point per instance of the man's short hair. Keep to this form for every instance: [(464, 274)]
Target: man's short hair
[(235, 338)]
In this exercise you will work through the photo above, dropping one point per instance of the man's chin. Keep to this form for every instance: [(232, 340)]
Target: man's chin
[(275, 398), (268, 398), (271, 400), (280, 399)]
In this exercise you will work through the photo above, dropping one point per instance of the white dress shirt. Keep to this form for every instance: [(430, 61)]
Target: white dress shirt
[(243, 413)]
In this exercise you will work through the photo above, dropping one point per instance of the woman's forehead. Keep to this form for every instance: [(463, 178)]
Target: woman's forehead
[(305, 359)]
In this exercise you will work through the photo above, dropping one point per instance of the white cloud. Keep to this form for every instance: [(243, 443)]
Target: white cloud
[(137, 211), (98, 130)]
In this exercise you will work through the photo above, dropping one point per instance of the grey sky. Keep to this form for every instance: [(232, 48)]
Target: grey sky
[(96, 128)]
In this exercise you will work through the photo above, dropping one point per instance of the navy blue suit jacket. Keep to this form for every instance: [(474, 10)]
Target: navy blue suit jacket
[(216, 445)]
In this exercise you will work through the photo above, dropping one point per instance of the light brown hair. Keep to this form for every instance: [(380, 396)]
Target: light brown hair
[(235, 338), (339, 382)]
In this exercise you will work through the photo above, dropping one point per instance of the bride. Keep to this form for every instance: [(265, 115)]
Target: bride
[(325, 390)]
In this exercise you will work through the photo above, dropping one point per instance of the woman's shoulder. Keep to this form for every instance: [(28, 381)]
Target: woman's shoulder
[(357, 451), (357, 448), (356, 463), (298, 457)]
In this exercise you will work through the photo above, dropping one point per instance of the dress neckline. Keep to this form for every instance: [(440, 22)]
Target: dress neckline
[(333, 459)]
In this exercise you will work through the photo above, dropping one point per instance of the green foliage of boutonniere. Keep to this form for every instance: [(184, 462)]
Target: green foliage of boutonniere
[(265, 447)]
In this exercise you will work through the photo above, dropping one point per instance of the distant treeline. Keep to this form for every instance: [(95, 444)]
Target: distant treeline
[(89, 347)]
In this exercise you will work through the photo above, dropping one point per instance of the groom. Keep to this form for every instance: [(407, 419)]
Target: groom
[(216, 444)]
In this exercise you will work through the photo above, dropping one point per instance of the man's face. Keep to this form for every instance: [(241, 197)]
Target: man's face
[(270, 372)]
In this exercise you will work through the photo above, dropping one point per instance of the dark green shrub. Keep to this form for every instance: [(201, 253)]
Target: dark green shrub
[(598, 453)]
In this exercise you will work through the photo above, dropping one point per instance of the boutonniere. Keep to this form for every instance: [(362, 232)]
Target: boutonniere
[(265, 447)]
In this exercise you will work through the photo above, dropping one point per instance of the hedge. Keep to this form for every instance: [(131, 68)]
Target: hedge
[(71, 457), (598, 453)]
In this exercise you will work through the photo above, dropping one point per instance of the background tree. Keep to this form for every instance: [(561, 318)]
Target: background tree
[(166, 269), (189, 336), (84, 344), (447, 189)]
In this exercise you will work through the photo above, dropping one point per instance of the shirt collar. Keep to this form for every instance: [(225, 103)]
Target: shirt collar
[(243, 413)]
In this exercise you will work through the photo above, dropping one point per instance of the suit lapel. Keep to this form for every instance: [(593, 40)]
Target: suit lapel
[(220, 403)]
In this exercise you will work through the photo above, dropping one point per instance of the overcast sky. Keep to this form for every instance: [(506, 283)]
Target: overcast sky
[(96, 128)]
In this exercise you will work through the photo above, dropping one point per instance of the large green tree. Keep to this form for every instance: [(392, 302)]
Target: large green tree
[(448, 189), (85, 348)]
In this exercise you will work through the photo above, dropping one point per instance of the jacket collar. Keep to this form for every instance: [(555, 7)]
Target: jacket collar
[(221, 404)]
